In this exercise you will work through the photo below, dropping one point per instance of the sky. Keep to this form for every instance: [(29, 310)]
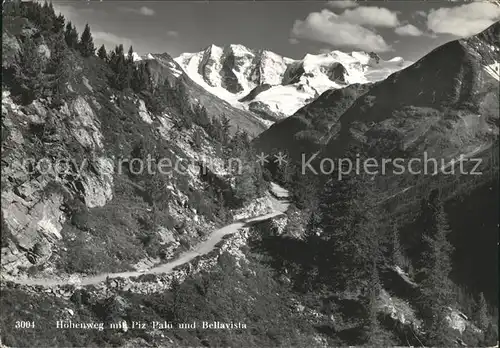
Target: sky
[(409, 29)]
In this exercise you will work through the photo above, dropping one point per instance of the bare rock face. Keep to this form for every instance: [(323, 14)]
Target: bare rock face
[(98, 185), (210, 65), (44, 51), (34, 191), (32, 224), (10, 47), (85, 127), (264, 110), (337, 72), (260, 206), (236, 61), (144, 113), (375, 57)]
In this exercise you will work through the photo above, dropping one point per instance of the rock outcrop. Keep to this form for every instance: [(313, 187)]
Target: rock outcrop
[(40, 174)]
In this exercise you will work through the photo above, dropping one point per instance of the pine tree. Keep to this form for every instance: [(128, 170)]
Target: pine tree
[(112, 57), (198, 140), (490, 336), (120, 78), (314, 252), (59, 23), (215, 129), (115, 56), (284, 171), (397, 256), (337, 220), (304, 187), (481, 313), (29, 72), (33, 11), (436, 287), (244, 185), (131, 68), (12, 8), (59, 70), (261, 185), (239, 145), (101, 53), (46, 16), (175, 288), (86, 44), (130, 56), (349, 219), (141, 81), (225, 127), (50, 11), (158, 192), (201, 116), (162, 91), (313, 229), (184, 104), (373, 331), (71, 36)]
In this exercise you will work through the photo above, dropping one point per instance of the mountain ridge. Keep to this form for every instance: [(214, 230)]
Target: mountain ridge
[(235, 73), (458, 75)]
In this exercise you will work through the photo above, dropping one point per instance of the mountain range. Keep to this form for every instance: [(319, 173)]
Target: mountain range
[(273, 86), (459, 78), (362, 261)]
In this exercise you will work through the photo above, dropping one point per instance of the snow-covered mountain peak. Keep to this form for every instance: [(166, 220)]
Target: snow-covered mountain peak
[(275, 86), (238, 49), (136, 57), (212, 47)]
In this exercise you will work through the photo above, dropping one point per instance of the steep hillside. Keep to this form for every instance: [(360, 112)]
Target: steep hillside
[(445, 105), (163, 67), (236, 73), (83, 190), (457, 80), (376, 214), (310, 127)]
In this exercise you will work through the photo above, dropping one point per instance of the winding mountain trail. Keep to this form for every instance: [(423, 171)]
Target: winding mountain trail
[(279, 205)]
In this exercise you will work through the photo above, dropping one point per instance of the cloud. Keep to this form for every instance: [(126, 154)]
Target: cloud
[(173, 33), (371, 16), (327, 27), (464, 20), (145, 11), (342, 4), (71, 13), (293, 40), (110, 39), (408, 30), (421, 14)]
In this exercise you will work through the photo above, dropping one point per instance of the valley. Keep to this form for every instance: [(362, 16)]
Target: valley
[(158, 200)]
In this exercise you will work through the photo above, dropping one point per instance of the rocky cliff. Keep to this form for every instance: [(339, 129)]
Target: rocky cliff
[(72, 202)]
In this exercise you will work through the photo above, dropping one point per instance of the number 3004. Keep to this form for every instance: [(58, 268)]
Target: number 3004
[(25, 324)]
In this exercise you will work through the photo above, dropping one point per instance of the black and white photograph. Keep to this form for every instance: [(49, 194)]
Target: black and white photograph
[(250, 173)]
